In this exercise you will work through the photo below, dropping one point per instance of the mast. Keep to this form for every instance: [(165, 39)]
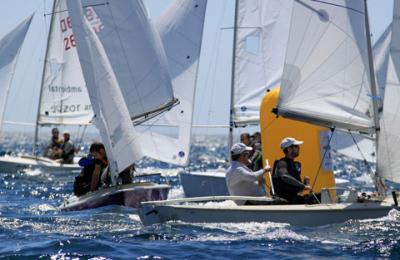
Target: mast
[(42, 80), (231, 122), (374, 94)]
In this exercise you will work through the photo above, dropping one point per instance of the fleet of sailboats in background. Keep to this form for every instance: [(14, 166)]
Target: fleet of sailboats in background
[(329, 80)]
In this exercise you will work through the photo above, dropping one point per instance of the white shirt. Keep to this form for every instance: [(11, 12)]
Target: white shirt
[(242, 181)]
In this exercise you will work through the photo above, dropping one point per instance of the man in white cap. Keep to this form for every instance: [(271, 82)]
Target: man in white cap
[(242, 181), (67, 148), (286, 175)]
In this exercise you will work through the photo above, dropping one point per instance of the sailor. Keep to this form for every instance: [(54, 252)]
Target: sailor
[(286, 174), (67, 149), (53, 150), (245, 138), (94, 166), (241, 180)]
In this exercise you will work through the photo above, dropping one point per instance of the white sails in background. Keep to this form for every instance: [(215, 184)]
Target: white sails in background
[(326, 75), (10, 46), (262, 34), (388, 165), (180, 28), (64, 98)]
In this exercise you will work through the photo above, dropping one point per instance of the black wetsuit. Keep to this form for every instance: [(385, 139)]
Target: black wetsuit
[(287, 181)]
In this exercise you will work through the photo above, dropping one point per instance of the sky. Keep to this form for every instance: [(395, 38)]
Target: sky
[(213, 86)]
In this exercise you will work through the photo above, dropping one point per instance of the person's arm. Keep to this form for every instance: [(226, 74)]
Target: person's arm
[(247, 175), (95, 177), (283, 174)]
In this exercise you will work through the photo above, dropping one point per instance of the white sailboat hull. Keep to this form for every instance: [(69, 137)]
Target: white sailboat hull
[(298, 215), (13, 164), (129, 195)]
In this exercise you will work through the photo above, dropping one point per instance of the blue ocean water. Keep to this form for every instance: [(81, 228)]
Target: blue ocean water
[(32, 228)]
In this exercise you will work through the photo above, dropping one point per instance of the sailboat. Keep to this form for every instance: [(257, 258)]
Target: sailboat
[(257, 68), (260, 32), (63, 98), (328, 80), (112, 73)]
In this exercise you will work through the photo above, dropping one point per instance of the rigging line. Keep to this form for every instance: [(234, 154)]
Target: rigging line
[(323, 157), (84, 6), (361, 153), (327, 3)]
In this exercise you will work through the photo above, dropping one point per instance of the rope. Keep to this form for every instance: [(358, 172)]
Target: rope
[(322, 160), (359, 149)]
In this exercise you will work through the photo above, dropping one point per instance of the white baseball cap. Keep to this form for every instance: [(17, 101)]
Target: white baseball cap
[(240, 148), (289, 141)]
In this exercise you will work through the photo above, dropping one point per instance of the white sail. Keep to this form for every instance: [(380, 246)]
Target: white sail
[(146, 86), (381, 58), (10, 45), (388, 165), (326, 75), (111, 114), (64, 98), (181, 30), (262, 33)]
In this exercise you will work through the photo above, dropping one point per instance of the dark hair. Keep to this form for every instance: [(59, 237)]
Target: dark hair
[(247, 135), (96, 146), (235, 157)]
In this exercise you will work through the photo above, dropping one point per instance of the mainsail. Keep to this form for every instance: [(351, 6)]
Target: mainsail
[(388, 165), (64, 98), (262, 30), (326, 79), (180, 28), (146, 86), (10, 45), (111, 113)]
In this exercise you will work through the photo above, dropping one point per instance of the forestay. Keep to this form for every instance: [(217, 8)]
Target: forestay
[(140, 66), (10, 45), (261, 39), (181, 30), (64, 98), (388, 165), (111, 114), (326, 74)]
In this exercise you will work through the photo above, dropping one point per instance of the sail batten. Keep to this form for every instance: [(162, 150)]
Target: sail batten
[(326, 75)]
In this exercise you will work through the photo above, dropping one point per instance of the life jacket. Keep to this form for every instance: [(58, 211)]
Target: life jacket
[(83, 181), (282, 189)]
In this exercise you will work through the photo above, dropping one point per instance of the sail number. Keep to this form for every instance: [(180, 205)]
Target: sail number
[(65, 108), (66, 25), (69, 42)]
